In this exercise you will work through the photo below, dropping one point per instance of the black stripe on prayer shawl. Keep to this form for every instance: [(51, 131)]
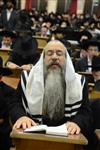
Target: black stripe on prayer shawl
[(24, 82), (37, 118), (82, 79), (74, 104), (24, 77), (70, 115), (24, 99), (72, 110)]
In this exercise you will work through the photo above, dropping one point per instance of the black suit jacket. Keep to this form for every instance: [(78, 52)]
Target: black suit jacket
[(81, 64), (6, 93), (97, 85), (11, 23)]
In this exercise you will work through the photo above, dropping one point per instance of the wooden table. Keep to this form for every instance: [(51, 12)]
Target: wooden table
[(13, 82), (13, 79), (97, 132), (4, 53), (94, 95), (36, 141), (85, 73)]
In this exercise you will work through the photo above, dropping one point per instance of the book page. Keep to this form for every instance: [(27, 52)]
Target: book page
[(54, 130), (58, 130), (36, 128)]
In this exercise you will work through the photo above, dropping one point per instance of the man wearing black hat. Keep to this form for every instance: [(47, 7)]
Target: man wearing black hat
[(92, 49), (9, 16), (96, 72), (60, 34), (84, 35), (95, 104), (24, 53), (6, 93)]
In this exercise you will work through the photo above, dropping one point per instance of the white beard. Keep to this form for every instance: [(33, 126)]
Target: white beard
[(54, 94)]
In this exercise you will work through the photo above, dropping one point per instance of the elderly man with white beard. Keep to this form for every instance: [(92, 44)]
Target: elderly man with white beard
[(53, 94)]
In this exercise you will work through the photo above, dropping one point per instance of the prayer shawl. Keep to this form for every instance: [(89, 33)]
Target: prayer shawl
[(33, 89)]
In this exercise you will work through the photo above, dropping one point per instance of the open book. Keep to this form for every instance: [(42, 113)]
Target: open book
[(58, 130)]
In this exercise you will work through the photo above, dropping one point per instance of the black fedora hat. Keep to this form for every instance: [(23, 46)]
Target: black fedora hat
[(95, 63), (92, 42), (3, 70), (7, 33), (84, 33), (60, 30), (23, 27), (25, 46), (12, 1), (83, 44), (24, 22)]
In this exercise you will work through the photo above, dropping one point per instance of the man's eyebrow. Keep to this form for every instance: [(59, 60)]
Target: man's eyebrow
[(54, 50)]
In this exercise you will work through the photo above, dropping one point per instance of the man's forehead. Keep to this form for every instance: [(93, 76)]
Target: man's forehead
[(55, 46), (5, 37), (93, 47)]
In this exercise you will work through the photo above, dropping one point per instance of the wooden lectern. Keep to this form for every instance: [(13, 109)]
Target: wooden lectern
[(38, 141)]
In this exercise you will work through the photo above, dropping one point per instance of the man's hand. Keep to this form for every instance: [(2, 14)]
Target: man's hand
[(26, 67), (72, 128), (24, 122), (12, 65)]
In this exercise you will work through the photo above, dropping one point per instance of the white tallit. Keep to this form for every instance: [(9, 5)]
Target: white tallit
[(35, 86)]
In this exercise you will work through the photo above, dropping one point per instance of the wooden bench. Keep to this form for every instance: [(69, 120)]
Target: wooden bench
[(42, 41), (13, 82), (94, 95)]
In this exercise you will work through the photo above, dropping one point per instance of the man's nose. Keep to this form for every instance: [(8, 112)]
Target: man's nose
[(54, 55)]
